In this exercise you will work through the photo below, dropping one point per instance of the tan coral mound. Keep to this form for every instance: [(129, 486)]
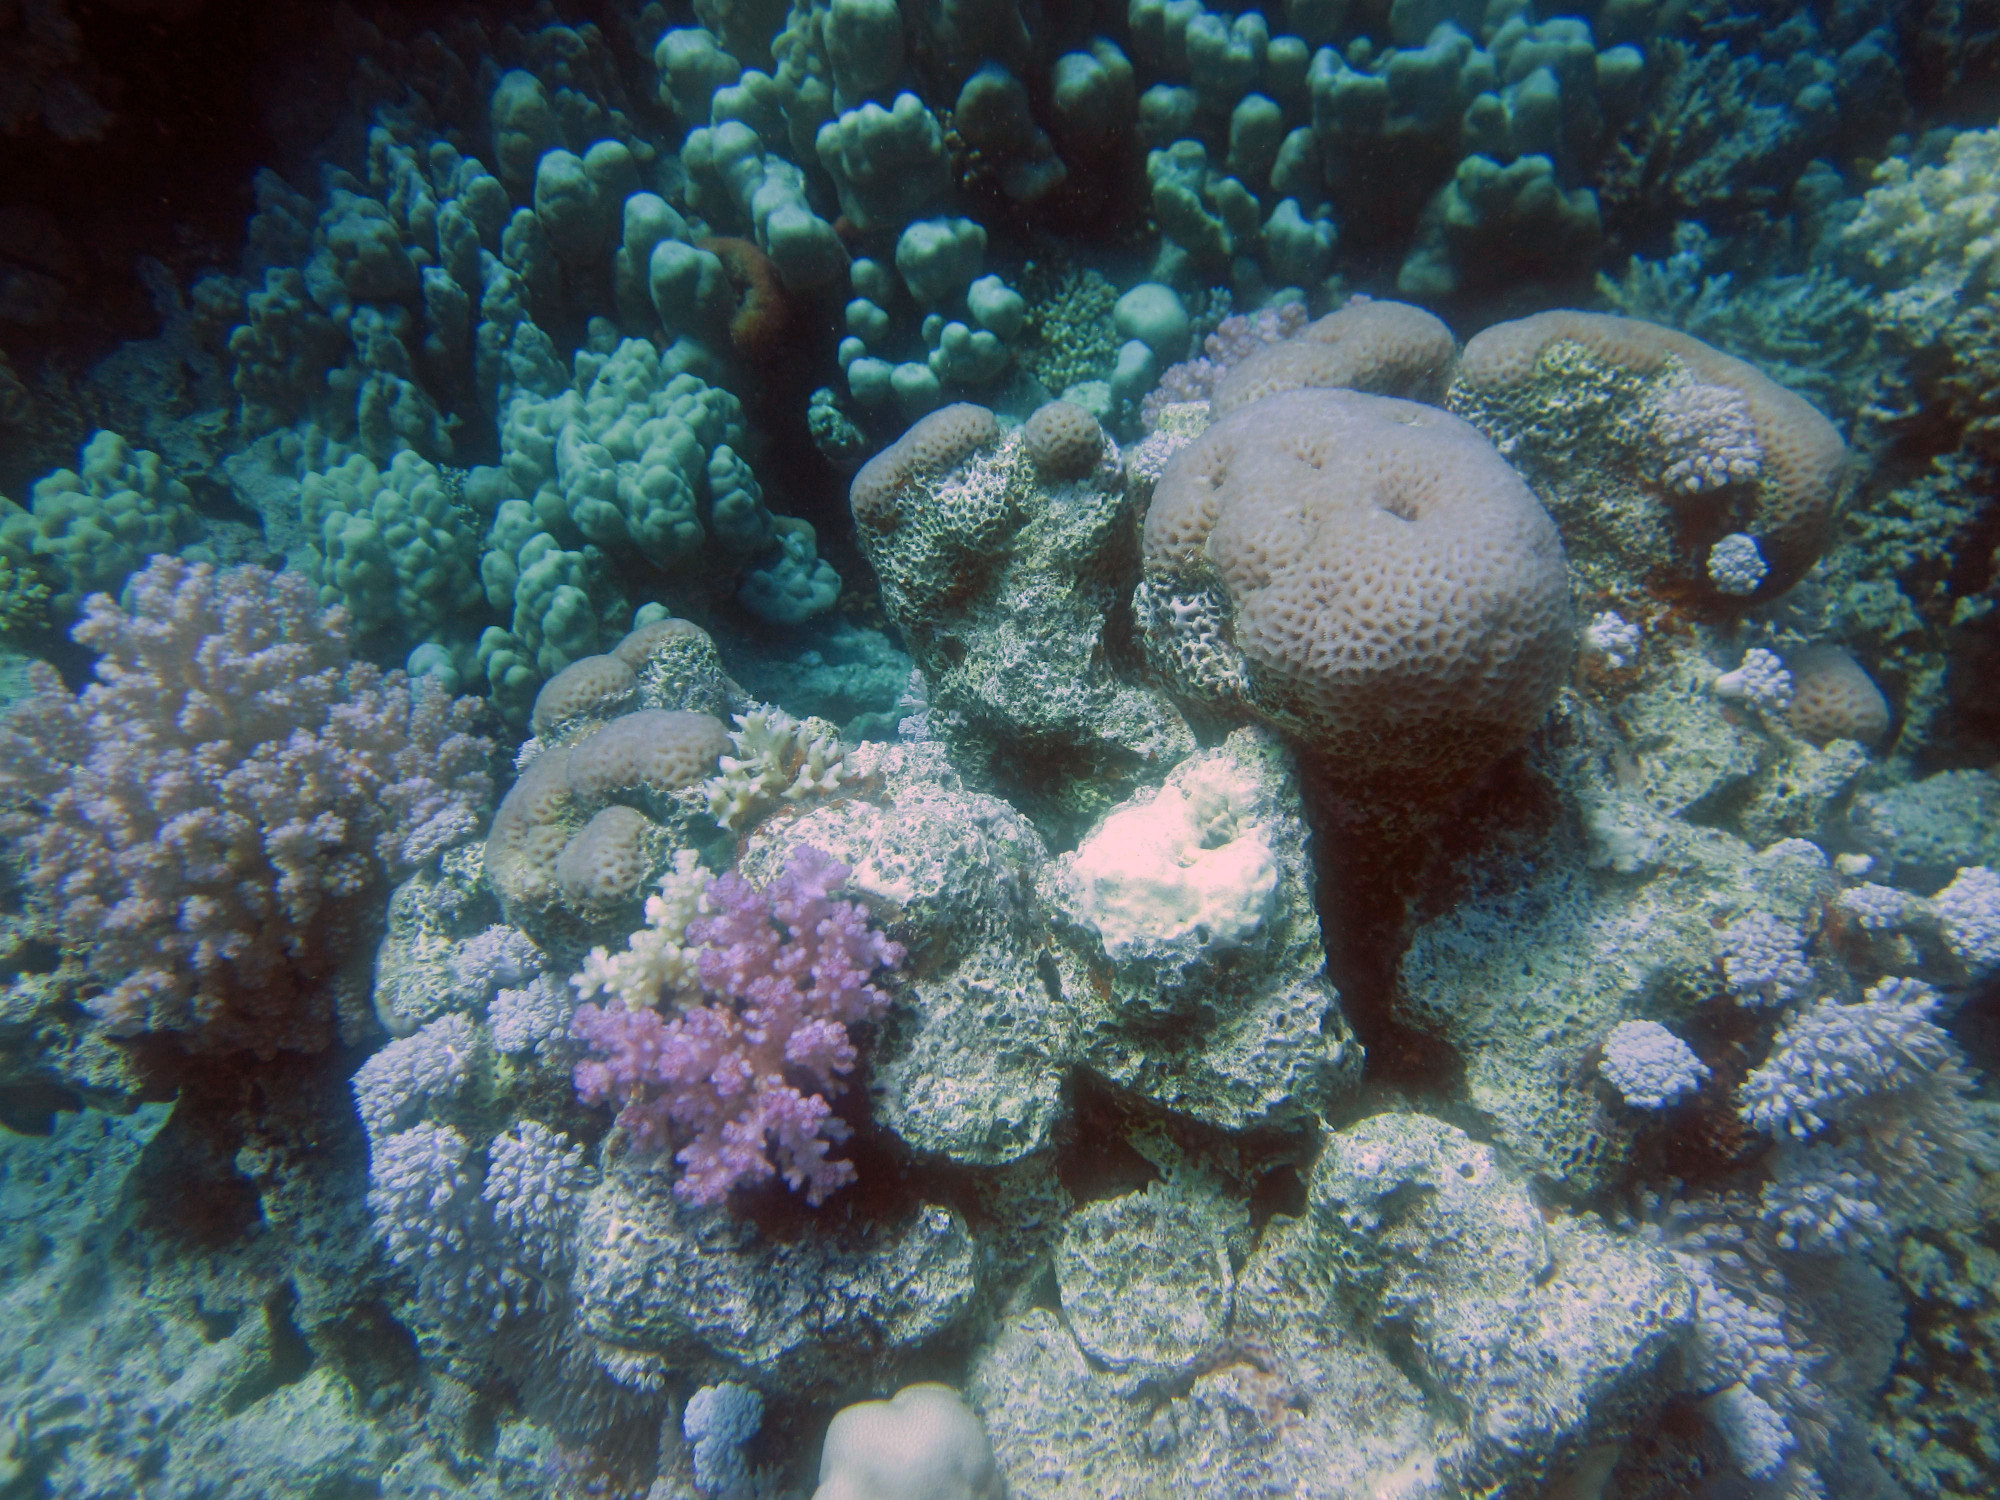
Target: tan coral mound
[(1803, 461), (1063, 441), (1389, 348), (1394, 595), (1834, 699), (649, 751), (589, 686), (928, 449)]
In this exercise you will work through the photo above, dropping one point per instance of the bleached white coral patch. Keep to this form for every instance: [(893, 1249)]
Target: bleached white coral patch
[(1191, 868), (1611, 639), (655, 961)]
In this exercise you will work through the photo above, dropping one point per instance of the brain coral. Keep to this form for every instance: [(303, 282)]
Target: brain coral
[(1643, 474), (1390, 348), (1833, 699), (1063, 440), (615, 783), (928, 449), (653, 750), (1364, 573)]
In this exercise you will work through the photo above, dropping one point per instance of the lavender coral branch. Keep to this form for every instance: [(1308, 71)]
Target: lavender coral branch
[(205, 819), (788, 971)]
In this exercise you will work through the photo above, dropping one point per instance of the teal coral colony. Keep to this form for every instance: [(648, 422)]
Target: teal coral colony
[(999, 750)]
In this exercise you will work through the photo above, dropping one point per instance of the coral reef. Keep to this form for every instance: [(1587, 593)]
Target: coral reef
[(1364, 573), (1242, 750), (718, 1071)]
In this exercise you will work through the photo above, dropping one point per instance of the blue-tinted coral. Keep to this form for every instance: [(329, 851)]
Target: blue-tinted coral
[(1969, 911), (718, 1421), (1763, 960), (523, 1019), (397, 1082), (1648, 1065), (1834, 1058)]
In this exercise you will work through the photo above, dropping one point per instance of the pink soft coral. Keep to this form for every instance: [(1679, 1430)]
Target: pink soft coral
[(788, 969)]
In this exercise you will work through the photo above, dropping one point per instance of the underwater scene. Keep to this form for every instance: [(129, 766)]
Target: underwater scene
[(1000, 750)]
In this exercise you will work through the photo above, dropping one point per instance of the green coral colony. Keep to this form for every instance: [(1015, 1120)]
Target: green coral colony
[(941, 749)]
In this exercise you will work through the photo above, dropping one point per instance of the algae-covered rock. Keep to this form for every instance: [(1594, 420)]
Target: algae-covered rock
[(661, 1285), (1419, 1330), (1148, 1287)]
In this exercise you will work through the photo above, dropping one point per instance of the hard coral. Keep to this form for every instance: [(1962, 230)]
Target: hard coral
[(1649, 446), (1390, 348), (207, 820), (1395, 597), (788, 971)]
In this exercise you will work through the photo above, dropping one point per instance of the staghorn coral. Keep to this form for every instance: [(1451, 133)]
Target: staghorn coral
[(781, 1001), (1868, 1099), (209, 822)]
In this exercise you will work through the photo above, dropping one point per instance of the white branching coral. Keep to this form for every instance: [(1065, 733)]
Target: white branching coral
[(1612, 640), (655, 961), (778, 759), (1761, 681), (1880, 908), (1869, 1099)]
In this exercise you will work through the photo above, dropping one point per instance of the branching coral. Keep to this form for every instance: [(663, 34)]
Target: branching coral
[(778, 758), (787, 970), (209, 819), (1870, 1098)]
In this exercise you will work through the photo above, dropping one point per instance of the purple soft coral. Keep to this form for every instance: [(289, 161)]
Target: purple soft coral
[(789, 968)]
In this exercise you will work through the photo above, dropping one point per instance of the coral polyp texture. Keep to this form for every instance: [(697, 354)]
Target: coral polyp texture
[(1389, 348), (1651, 447), (785, 972), (1005, 577), (613, 783), (207, 820), (1367, 575)]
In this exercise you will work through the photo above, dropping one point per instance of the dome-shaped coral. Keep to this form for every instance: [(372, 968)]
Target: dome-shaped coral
[(1365, 574)]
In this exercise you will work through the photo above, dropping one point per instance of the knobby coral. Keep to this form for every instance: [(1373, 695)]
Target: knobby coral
[(207, 820), (786, 971)]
